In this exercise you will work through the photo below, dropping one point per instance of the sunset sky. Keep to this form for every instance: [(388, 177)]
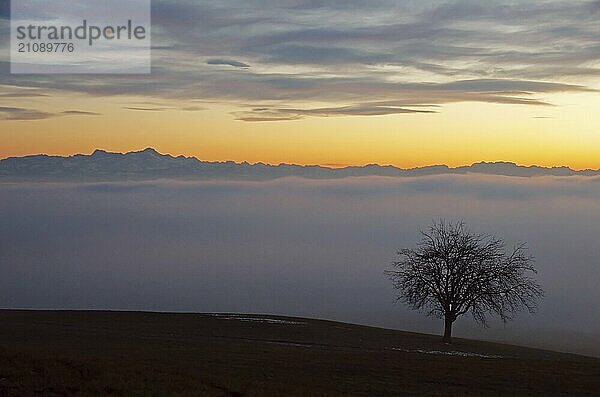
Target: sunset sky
[(408, 83)]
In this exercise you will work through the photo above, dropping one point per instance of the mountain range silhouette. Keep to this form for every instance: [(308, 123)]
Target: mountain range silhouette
[(149, 164)]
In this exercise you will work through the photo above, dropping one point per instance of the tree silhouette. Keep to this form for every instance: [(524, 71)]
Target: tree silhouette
[(453, 271)]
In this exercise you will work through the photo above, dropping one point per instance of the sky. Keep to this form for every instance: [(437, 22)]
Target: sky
[(295, 247), (408, 83)]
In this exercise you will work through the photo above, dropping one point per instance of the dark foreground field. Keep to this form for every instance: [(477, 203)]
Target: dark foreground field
[(127, 354)]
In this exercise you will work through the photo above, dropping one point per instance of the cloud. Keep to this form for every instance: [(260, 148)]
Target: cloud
[(509, 86), (274, 114), (79, 113), (23, 95), (343, 53), (4, 9), (193, 108), (22, 114), (163, 108), (141, 109), (228, 62)]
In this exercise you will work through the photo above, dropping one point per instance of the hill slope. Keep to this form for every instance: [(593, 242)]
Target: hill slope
[(126, 353)]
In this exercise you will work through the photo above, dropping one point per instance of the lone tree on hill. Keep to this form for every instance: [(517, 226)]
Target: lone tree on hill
[(453, 271)]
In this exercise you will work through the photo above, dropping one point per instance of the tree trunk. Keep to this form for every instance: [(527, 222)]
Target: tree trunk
[(448, 330)]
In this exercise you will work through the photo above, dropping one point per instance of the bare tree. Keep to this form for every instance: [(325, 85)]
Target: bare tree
[(453, 271)]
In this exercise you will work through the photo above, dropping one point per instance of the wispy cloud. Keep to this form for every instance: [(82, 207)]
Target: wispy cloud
[(227, 62), (275, 114), (193, 108), (22, 95), (22, 114), (79, 113), (140, 109), (383, 55)]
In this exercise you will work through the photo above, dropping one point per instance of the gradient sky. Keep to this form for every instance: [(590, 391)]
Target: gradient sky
[(407, 83)]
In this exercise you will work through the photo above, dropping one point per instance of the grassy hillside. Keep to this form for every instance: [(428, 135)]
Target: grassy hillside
[(125, 353)]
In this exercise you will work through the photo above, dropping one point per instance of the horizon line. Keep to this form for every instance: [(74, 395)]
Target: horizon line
[(332, 166)]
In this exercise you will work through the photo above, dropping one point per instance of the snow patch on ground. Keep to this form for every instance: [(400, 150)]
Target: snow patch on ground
[(255, 319), (447, 353), (297, 344)]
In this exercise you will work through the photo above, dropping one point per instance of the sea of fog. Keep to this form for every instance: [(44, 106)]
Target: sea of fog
[(315, 248)]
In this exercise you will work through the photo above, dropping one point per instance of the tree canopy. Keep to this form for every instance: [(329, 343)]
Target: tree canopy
[(453, 271)]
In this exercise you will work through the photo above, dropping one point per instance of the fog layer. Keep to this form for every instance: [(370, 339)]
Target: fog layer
[(294, 246)]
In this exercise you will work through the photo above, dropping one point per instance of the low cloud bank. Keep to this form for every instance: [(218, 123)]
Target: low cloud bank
[(293, 246)]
